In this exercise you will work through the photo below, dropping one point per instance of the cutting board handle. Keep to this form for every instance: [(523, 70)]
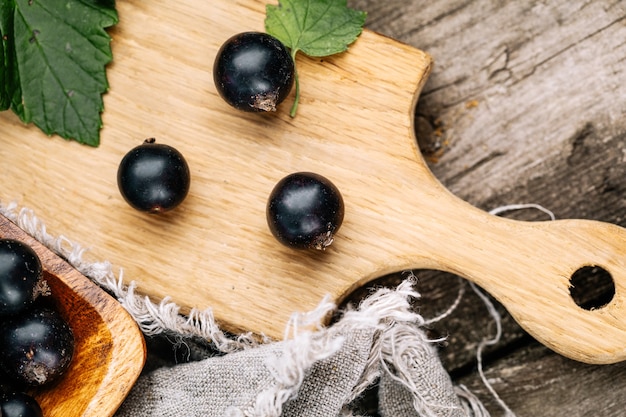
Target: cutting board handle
[(529, 267), (354, 126)]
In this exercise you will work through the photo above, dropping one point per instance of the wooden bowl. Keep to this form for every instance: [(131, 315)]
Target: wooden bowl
[(110, 349)]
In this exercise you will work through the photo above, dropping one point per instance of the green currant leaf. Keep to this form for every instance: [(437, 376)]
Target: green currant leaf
[(4, 95), (6, 55), (55, 53), (318, 28)]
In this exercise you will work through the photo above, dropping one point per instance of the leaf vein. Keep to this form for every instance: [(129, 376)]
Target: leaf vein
[(66, 23)]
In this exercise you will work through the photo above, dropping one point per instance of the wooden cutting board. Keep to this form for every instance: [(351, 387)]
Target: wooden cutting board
[(354, 126)]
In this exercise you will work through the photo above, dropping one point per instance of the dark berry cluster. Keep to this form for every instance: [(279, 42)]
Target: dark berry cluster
[(36, 342)]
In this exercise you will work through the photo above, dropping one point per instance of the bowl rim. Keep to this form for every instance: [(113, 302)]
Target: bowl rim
[(127, 351)]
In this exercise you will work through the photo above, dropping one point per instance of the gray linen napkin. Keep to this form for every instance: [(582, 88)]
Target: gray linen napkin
[(315, 371), (319, 372)]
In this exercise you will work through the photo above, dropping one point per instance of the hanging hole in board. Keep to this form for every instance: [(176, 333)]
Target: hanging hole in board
[(592, 287)]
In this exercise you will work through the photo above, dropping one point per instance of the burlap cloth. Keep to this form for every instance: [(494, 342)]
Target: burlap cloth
[(313, 371)]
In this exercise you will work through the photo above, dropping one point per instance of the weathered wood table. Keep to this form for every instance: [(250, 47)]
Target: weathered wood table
[(526, 104)]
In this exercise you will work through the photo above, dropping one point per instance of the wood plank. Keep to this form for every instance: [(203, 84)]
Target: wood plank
[(533, 91), (525, 104), (355, 127), (152, 106), (535, 381)]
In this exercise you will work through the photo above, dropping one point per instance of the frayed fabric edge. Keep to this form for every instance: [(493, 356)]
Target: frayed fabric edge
[(383, 310), (152, 318), (308, 342)]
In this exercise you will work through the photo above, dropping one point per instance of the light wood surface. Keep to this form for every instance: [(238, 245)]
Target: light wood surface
[(525, 104), (354, 126), (109, 348)]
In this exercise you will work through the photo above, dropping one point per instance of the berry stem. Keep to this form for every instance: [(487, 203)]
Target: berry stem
[(294, 106)]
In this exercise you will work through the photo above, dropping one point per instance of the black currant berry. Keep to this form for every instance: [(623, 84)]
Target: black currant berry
[(19, 404), (304, 211), (21, 277), (253, 71), (153, 177), (37, 347)]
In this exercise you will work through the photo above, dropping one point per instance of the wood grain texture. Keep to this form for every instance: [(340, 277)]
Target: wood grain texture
[(213, 251), (354, 126), (109, 348), (525, 103)]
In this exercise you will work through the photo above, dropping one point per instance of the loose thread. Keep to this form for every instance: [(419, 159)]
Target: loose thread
[(452, 308), (490, 342), (515, 207), (497, 319)]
